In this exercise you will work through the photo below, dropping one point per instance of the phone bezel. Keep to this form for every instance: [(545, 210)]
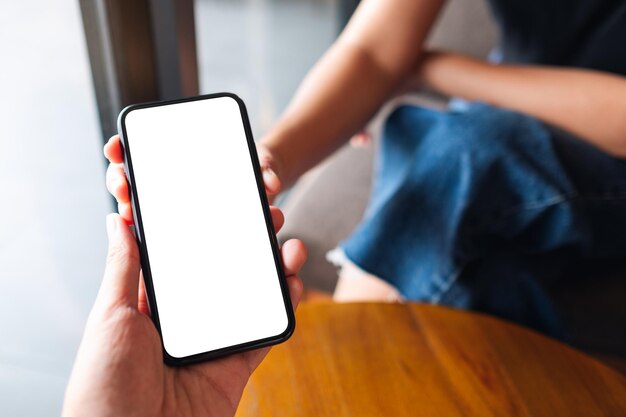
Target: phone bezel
[(141, 241)]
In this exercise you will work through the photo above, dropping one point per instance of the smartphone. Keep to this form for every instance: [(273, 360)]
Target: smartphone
[(209, 255)]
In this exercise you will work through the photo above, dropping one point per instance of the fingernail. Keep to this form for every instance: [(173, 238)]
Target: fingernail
[(111, 225), (269, 178), (268, 174)]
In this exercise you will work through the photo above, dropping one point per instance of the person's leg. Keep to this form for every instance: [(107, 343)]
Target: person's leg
[(462, 202), (354, 284)]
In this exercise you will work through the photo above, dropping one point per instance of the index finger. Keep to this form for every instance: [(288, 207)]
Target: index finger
[(113, 150)]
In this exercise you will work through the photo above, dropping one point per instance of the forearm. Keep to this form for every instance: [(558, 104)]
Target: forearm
[(589, 104), (335, 100), (371, 58)]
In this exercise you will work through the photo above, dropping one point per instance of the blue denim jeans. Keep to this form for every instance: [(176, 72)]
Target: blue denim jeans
[(487, 209)]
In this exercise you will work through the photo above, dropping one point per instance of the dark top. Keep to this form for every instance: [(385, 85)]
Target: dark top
[(578, 33)]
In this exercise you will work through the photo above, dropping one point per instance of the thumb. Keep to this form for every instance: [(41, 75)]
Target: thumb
[(121, 274)]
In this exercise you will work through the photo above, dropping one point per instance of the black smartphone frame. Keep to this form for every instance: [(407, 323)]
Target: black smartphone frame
[(141, 241)]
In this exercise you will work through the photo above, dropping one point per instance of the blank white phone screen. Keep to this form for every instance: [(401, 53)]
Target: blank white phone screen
[(214, 276)]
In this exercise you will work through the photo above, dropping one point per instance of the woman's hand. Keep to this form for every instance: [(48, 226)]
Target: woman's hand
[(119, 368), (117, 185)]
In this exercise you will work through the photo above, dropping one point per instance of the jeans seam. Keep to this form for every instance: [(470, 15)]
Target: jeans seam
[(556, 200), (444, 286), (533, 205), (443, 289)]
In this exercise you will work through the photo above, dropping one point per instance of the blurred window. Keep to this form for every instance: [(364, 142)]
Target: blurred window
[(52, 234), (261, 49)]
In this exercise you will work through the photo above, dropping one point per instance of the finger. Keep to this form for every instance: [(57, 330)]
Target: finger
[(294, 255), (116, 182), (361, 139), (278, 218), (271, 181), (113, 150), (296, 287), (121, 274), (142, 298), (126, 212)]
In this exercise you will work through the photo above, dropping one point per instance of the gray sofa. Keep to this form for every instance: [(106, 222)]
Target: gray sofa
[(327, 203)]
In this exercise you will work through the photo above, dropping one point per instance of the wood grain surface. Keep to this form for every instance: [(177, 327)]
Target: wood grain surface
[(421, 360)]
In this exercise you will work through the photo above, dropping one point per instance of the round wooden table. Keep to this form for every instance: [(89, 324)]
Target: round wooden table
[(374, 359)]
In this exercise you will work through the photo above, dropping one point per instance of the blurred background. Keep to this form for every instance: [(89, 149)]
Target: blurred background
[(52, 232), (261, 49), (69, 67)]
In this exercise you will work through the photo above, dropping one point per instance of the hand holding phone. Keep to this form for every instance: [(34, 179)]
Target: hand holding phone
[(119, 368), (202, 148)]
